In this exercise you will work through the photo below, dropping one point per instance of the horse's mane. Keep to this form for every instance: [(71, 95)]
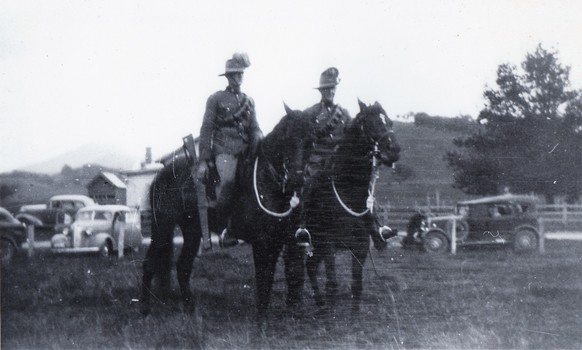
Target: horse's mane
[(290, 128)]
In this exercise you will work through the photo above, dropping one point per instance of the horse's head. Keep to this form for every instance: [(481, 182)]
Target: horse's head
[(288, 147), (373, 122)]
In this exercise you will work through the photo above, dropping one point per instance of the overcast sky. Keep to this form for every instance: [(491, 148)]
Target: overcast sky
[(134, 73)]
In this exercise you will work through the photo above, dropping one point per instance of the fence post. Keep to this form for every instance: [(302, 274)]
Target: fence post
[(454, 238), (30, 237), (565, 214), (121, 241), (542, 236)]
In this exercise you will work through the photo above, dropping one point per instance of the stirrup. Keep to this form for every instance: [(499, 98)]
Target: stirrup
[(386, 233), (302, 237), (226, 240)]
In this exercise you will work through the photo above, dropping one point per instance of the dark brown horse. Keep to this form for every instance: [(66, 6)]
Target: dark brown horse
[(339, 214), (262, 216)]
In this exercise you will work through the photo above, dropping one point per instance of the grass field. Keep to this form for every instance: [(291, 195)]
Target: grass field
[(486, 299)]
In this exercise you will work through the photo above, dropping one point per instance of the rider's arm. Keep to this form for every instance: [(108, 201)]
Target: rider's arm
[(207, 129), (255, 133)]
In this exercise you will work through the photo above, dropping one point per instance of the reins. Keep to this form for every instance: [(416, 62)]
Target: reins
[(292, 203), (371, 188)]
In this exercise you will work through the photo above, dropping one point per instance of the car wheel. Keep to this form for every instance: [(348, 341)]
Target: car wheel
[(462, 229), (435, 242), (7, 252), (525, 241), (105, 250)]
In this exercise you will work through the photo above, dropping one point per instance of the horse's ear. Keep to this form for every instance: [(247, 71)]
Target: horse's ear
[(288, 110), (362, 105)]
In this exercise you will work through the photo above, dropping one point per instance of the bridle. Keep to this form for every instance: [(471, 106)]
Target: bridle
[(375, 156), (293, 202)]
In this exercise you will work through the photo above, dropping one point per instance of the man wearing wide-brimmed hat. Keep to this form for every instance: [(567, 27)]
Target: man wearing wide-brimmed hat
[(229, 130), (330, 121)]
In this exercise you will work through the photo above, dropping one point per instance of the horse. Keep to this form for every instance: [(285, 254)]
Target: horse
[(266, 198), (339, 215)]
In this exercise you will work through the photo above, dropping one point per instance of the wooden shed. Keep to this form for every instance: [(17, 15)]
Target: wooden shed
[(107, 188)]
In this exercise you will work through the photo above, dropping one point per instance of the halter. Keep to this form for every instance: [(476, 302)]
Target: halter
[(292, 203)]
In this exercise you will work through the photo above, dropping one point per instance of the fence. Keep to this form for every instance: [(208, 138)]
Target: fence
[(398, 217), (558, 216), (561, 216)]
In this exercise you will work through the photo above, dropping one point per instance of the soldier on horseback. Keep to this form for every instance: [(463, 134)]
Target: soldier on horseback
[(330, 121), (229, 132)]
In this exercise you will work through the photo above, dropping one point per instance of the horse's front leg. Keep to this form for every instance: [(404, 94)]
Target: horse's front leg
[(265, 257), (359, 256), (184, 265), (294, 273), (331, 285), (312, 263), (158, 262)]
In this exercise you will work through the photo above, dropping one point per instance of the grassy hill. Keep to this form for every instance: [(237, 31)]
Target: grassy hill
[(423, 151), (424, 144)]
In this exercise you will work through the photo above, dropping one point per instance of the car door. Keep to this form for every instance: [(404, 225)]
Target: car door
[(503, 223), (478, 219)]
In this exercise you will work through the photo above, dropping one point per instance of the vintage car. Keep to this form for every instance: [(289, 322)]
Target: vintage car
[(102, 229), (53, 216), (504, 219), (12, 236)]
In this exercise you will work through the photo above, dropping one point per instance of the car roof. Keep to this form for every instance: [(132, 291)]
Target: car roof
[(5, 211), (507, 197), (77, 197), (106, 207)]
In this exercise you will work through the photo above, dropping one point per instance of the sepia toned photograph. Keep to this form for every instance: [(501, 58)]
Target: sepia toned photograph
[(375, 174)]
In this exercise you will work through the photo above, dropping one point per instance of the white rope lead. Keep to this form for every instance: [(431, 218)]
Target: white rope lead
[(371, 189), (346, 207), (292, 203)]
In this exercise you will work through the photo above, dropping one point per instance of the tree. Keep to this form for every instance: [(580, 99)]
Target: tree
[(531, 134), (6, 191)]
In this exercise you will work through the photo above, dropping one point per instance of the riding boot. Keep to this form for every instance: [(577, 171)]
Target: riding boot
[(227, 238)]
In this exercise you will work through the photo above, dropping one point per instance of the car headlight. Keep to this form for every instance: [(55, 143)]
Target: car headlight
[(66, 231), (88, 232)]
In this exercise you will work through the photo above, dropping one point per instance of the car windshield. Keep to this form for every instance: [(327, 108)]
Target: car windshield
[(103, 215), (84, 215), (94, 215)]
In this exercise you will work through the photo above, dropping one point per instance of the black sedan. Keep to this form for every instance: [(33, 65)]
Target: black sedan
[(12, 236)]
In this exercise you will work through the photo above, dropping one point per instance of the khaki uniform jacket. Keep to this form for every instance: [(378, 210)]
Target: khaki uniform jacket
[(225, 127), (330, 125)]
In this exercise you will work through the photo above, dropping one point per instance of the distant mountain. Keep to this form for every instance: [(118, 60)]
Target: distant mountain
[(106, 156)]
